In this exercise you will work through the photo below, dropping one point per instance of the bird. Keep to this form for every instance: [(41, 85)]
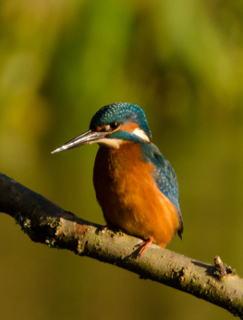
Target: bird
[(135, 184)]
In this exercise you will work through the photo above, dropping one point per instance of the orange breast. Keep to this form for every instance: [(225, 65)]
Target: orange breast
[(129, 196)]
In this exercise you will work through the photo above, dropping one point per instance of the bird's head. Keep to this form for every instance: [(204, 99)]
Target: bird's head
[(113, 125)]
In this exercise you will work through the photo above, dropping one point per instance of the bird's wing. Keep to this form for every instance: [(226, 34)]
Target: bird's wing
[(164, 176)]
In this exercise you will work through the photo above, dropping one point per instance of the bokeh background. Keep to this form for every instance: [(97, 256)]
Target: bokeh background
[(60, 61)]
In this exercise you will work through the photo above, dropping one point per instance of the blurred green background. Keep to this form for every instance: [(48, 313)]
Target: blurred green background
[(60, 61)]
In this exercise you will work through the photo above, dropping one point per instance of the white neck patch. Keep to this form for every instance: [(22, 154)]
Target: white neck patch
[(141, 134)]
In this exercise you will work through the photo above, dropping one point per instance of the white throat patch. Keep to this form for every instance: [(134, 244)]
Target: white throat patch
[(111, 143)]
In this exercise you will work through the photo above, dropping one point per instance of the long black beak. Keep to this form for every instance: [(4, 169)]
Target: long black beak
[(87, 137)]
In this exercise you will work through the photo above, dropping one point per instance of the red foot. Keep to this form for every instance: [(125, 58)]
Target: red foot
[(106, 227), (144, 245)]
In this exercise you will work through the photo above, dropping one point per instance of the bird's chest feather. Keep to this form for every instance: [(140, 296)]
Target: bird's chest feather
[(129, 196), (117, 172)]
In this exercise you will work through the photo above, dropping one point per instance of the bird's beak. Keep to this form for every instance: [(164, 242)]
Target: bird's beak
[(87, 137)]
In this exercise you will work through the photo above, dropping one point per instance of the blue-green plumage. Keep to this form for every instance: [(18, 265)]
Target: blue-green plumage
[(121, 112)]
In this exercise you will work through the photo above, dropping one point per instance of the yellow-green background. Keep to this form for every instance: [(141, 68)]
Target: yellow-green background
[(60, 61)]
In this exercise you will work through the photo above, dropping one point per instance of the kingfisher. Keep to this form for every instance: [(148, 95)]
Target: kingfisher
[(135, 185)]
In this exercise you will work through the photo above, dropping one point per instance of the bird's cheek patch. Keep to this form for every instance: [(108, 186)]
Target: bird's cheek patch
[(103, 128), (133, 127), (129, 127)]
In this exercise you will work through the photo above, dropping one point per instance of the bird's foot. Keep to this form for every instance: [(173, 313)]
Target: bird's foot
[(105, 228), (144, 245)]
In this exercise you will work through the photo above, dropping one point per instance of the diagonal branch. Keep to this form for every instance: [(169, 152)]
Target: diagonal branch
[(47, 223)]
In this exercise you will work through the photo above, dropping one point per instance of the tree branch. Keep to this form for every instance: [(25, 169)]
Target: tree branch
[(47, 223)]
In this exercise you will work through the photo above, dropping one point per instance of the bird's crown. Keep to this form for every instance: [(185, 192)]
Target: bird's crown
[(113, 115)]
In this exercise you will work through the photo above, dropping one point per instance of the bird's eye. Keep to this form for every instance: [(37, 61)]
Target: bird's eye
[(114, 125)]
